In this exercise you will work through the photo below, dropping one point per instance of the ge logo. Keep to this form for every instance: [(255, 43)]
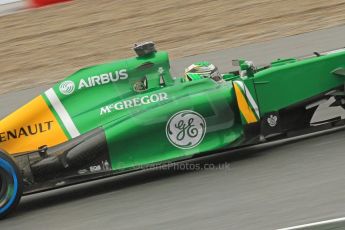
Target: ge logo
[(186, 129), (67, 87)]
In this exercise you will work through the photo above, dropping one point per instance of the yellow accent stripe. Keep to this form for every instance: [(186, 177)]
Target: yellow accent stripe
[(243, 105)]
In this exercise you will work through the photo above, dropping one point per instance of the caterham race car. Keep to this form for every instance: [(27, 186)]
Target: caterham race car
[(117, 117)]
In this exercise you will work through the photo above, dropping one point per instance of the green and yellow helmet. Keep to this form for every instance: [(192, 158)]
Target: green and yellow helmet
[(203, 69)]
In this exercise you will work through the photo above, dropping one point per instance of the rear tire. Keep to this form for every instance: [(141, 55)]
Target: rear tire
[(11, 185)]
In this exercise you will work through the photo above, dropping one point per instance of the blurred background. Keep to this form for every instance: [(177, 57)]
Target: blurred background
[(42, 42), (265, 187)]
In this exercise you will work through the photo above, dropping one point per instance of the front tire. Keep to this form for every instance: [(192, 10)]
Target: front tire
[(11, 185)]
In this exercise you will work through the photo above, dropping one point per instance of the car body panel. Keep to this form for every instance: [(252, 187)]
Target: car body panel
[(288, 84), (33, 125), (128, 114)]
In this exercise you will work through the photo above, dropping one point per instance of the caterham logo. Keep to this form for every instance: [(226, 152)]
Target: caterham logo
[(186, 129), (67, 87), (272, 120)]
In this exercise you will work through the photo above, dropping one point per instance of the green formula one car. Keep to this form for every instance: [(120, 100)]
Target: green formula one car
[(120, 116)]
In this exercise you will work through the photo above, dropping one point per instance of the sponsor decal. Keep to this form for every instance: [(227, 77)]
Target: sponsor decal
[(83, 171), (30, 127), (26, 131), (134, 102), (68, 87), (186, 129), (106, 165), (272, 120), (160, 70), (103, 166), (103, 79), (95, 168)]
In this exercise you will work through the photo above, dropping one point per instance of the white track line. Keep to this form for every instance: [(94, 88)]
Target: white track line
[(332, 221)]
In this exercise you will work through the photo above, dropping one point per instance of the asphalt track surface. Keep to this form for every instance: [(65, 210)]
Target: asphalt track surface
[(269, 186)]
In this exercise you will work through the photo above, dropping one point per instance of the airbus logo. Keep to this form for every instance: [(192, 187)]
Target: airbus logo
[(103, 79), (134, 102), (68, 87)]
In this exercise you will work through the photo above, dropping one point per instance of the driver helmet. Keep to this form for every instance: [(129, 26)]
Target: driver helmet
[(205, 69)]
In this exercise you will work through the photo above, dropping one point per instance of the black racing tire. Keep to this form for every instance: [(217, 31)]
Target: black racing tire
[(11, 185)]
